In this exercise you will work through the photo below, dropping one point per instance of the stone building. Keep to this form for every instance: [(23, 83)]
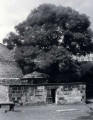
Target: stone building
[(34, 88), (9, 70)]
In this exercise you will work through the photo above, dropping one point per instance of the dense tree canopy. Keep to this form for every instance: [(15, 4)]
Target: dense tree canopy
[(52, 25), (48, 37), (55, 62)]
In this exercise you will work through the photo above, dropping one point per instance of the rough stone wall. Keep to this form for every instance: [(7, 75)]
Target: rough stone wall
[(4, 96), (34, 95), (28, 94), (64, 94), (15, 93), (68, 94)]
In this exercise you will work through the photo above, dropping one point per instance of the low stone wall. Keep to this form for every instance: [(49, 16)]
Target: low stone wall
[(34, 95), (55, 93), (4, 93), (28, 94), (68, 94)]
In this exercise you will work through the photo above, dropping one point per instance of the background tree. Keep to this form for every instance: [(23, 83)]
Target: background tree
[(12, 40), (55, 62), (49, 24), (48, 38)]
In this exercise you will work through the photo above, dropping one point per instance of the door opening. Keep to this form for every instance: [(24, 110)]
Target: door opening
[(51, 93)]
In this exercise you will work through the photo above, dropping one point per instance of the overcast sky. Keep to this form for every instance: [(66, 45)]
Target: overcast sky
[(14, 11)]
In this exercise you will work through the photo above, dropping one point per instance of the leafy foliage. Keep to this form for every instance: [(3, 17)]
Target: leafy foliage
[(48, 25), (48, 37)]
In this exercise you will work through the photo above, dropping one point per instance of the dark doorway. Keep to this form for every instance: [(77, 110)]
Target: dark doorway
[(53, 95), (89, 90)]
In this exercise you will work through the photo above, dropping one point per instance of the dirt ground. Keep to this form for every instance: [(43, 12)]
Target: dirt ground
[(49, 112)]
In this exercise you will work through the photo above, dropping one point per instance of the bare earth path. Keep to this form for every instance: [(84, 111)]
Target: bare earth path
[(48, 112)]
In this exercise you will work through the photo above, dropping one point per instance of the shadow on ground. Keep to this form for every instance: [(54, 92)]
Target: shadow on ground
[(89, 104), (89, 117)]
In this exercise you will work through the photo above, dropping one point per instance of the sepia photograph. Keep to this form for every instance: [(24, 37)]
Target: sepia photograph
[(46, 60)]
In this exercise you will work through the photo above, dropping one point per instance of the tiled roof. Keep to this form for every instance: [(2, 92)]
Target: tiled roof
[(36, 74), (8, 66)]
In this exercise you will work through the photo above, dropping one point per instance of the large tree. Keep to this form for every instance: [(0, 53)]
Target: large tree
[(56, 62), (48, 37), (49, 24)]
